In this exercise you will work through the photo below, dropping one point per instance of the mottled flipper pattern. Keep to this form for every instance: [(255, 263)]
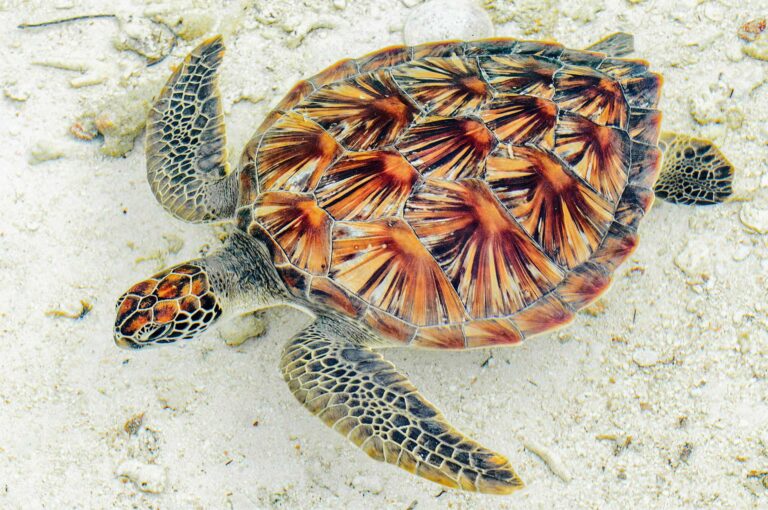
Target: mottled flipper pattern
[(362, 396), (186, 149), (693, 172)]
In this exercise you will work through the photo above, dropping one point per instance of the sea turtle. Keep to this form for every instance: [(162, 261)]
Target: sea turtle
[(451, 195)]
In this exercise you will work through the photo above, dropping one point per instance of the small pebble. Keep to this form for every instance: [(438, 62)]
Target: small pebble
[(15, 92), (645, 357), (149, 478), (695, 259), (152, 41), (370, 484), (758, 48), (754, 217), (741, 253), (439, 20), (45, 151)]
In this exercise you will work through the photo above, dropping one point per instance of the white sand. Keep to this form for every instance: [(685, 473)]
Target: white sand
[(675, 367)]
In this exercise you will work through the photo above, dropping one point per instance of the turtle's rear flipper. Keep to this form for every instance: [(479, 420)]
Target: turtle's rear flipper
[(186, 149), (362, 396), (693, 171), (615, 45)]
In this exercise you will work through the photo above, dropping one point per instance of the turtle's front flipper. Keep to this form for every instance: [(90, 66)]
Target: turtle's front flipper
[(693, 171), (615, 45), (186, 149), (362, 396)]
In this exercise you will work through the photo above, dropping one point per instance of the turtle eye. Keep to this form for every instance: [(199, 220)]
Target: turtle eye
[(159, 332)]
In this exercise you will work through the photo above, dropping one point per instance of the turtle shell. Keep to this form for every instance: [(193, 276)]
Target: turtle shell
[(456, 194)]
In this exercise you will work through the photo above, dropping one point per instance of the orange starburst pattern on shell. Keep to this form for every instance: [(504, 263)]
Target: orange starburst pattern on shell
[(294, 153), (490, 260), (592, 94), (447, 148), (644, 126), (599, 154), (561, 213), (584, 285), (300, 227), (643, 91), (366, 185), (444, 86), (364, 112), (522, 119), (384, 263), (440, 337), (491, 332), (521, 74), (546, 314)]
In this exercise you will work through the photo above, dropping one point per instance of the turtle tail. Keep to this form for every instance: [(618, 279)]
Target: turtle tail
[(186, 149)]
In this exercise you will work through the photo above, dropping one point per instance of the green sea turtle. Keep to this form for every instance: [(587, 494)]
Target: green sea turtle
[(451, 195)]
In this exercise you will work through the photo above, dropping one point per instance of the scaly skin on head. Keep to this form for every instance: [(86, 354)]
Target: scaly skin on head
[(181, 302), (175, 304)]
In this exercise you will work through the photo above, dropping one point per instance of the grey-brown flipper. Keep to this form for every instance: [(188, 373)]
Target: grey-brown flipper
[(693, 171), (186, 149), (615, 45), (359, 394)]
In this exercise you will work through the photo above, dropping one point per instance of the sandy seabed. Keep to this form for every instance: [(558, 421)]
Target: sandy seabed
[(656, 398)]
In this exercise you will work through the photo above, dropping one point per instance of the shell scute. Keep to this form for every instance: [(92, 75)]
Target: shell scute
[(325, 291), (341, 70), (447, 147), (635, 202), (492, 46), (623, 68), (367, 185), (491, 332), (299, 91), (591, 94), (643, 91), (562, 214), (299, 226), (583, 58), (644, 125), (438, 49), (365, 112), (385, 57), (385, 264), (646, 164), (546, 314), (294, 154), (440, 337), (491, 262), (617, 246), (584, 285), (599, 154), (444, 85), (389, 326), (540, 48), (521, 74), (297, 281), (520, 119)]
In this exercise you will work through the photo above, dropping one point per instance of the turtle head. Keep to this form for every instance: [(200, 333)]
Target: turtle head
[(176, 304)]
